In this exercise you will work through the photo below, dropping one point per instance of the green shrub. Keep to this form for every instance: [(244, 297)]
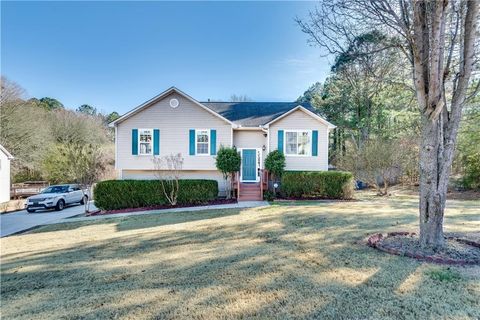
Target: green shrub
[(120, 194), (228, 161), (275, 163), (268, 195), (317, 184)]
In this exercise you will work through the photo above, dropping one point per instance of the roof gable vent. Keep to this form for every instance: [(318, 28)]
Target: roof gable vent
[(174, 103)]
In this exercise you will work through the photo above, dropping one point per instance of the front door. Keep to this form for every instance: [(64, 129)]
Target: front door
[(249, 165)]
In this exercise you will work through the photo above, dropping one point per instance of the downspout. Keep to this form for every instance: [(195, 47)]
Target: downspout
[(267, 151)]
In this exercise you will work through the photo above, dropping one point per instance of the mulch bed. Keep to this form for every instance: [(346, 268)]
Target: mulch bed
[(315, 199), (463, 195), (456, 251), (160, 207)]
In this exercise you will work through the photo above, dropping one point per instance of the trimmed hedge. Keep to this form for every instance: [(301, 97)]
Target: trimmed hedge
[(121, 194), (317, 184)]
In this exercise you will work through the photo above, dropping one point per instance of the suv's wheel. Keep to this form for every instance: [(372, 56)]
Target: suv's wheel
[(30, 210), (60, 205), (84, 200)]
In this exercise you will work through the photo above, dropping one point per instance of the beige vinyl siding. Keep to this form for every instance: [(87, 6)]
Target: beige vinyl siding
[(4, 177), (185, 174), (299, 120), (174, 125), (250, 139)]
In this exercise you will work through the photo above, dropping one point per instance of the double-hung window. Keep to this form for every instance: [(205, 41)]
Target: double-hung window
[(145, 141), (298, 142), (202, 142)]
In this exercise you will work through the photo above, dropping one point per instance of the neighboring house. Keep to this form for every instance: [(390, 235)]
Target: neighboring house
[(5, 158), (173, 122)]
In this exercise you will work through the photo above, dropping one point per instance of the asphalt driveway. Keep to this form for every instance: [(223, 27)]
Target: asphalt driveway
[(22, 220)]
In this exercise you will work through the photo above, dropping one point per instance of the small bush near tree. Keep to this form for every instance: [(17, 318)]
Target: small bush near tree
[(377, 162), (471, 176), (121, 194), (275, 163), (467, 162), (228, 161), (317, 184)]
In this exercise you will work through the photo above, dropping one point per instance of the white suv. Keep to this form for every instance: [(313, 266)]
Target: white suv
[(57, 197)]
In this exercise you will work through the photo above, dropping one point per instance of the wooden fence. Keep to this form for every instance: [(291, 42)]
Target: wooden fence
[(27, 188)]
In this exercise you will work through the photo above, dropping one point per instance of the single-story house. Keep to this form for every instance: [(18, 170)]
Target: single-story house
[(173, 122), (5, 158)]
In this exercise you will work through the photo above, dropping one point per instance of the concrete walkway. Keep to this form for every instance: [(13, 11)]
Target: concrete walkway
[(242, 204)]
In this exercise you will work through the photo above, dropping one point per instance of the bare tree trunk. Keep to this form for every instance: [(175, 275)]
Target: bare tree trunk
[(439, 126), (385, 186), (228, 186), (377, 187), (432, 192), (89, 194)]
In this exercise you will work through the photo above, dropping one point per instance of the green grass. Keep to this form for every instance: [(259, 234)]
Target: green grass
[(291, 260), (444, 274)]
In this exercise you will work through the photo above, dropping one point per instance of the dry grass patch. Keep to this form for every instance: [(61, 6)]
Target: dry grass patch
[(294, 260)]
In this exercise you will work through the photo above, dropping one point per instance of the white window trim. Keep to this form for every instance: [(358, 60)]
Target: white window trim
[(152, 143), (196, 143), (309, 149), (258, 156)]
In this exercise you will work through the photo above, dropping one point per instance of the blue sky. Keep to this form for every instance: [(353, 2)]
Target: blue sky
[(116, 55)]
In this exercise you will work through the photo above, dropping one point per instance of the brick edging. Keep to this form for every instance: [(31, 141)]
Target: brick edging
[(375, 241)]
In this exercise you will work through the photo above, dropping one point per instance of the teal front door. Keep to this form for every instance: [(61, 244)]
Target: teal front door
[(249, 165)]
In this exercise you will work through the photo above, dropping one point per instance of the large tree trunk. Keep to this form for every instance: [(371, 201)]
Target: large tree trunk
[(432, 191), (439, 125)]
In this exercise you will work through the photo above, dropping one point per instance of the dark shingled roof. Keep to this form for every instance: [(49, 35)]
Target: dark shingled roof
[(253, 114)]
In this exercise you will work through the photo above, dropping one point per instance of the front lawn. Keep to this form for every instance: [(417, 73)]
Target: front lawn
[(292, 260)]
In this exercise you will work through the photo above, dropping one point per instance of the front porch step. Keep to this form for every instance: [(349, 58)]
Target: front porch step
[(250, 187), (250, 198), (250, 192)]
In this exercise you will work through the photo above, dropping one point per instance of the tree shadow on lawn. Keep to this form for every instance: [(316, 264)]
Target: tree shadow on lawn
[(305, 264), (145, 220)]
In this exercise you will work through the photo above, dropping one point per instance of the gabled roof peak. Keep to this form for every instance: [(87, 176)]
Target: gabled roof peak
[(238, 114), (158, 98)]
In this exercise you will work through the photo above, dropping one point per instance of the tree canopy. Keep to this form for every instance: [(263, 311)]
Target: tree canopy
[(87, 109), (50, 103), (61, 141)]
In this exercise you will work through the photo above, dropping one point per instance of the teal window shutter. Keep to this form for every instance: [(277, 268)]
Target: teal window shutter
[(192, 142), (134, 141), (156, 142), (213, 142), (315, 143), (280, 141)]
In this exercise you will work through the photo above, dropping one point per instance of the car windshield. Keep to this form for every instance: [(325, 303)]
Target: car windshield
[(56, 189)]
